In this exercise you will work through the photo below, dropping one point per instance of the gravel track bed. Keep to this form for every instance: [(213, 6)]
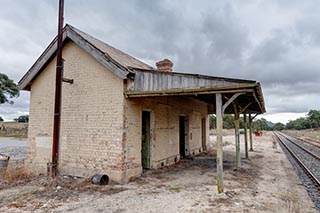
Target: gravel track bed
[(310, 162), (307, 146)]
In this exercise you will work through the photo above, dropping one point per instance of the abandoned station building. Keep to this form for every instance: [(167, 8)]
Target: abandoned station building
[(120, 115)]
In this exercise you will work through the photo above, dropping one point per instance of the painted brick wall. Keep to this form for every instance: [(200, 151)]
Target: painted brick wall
[(165, 113), (41, 121), (100, 129), (91, 120)]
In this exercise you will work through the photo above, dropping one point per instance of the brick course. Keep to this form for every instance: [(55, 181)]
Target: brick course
[(100, 128)]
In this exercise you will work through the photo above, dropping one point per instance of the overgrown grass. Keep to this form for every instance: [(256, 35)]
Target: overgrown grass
[(313, 134), (18, 174), (14, 176), (292, 202), (3, 134), (13, 129)]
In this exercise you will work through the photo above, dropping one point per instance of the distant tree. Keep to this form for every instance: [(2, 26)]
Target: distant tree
[(228, 121), (278, 126), (1, 119), (260, 124), (8, 89), (212, 121), (313, 117), (298, 124), (290, 125), (22, 119)]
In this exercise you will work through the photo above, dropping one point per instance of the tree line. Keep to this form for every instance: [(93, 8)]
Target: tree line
[(228, 122), (312, 120)]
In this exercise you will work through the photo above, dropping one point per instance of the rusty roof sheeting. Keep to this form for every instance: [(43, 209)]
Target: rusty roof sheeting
[(108, 55), (118, 56)]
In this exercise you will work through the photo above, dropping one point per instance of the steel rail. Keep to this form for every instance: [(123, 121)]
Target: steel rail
[(302, 165), (309, 141), (301, 147)]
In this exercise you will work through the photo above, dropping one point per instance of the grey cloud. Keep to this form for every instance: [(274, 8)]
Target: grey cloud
[(227, 38), (206, 37), (271, 50), (308, 27), (296, 104)]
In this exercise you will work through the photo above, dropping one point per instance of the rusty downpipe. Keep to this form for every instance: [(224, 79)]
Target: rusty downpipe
[(57, 103)]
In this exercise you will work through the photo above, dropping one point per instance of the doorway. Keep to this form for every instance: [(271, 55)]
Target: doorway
[(183, 134), (146, 138), (203, 134)]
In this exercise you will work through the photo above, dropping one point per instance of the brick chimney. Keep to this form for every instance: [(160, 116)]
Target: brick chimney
[(165, 65)]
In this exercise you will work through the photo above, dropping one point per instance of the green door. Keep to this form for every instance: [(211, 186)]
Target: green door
[(145, 151)]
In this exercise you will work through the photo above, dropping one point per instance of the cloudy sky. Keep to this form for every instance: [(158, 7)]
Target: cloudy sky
[(274, 42)]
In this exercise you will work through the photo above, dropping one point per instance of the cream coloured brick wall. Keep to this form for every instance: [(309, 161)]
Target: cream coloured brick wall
[(165, 113), (41, 121), (92, 117), (100, 129), (91, 120)]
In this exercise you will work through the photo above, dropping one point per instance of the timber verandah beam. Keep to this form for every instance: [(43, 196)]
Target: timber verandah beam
[(219, 123)]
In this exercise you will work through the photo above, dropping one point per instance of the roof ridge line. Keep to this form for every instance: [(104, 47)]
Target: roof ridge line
[(74, 29)]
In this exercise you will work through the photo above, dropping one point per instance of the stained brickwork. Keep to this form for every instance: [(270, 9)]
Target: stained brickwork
[(41, 120), (100, 128), (165, 113), (91, 119)]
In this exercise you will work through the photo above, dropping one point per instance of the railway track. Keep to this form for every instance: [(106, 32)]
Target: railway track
[(306, 163), (305, 140)]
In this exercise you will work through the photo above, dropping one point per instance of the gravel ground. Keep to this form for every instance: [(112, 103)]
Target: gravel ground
[(264, 183), (16, 148)]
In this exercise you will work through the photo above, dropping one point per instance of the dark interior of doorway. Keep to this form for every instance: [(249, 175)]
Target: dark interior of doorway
[(182, 136), (146, 136), (203, 134)]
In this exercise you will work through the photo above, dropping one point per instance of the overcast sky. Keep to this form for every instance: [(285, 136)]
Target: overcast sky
[(274, 42)]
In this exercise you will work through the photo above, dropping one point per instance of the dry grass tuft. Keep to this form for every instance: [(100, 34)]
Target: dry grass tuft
[(175, 188), (292, 202), (274, 143), (15, 176)]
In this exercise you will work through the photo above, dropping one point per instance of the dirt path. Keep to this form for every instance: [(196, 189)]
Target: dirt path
[(265, 183)]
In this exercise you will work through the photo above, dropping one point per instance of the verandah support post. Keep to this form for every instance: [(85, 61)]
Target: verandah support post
[(219, 126), (250, 126), (250, 131), (237, 135), (245, 135), (219, 123)]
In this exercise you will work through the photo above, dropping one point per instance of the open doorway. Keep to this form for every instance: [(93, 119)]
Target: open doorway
[(203, 134), (146, 138), (183, 134)]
